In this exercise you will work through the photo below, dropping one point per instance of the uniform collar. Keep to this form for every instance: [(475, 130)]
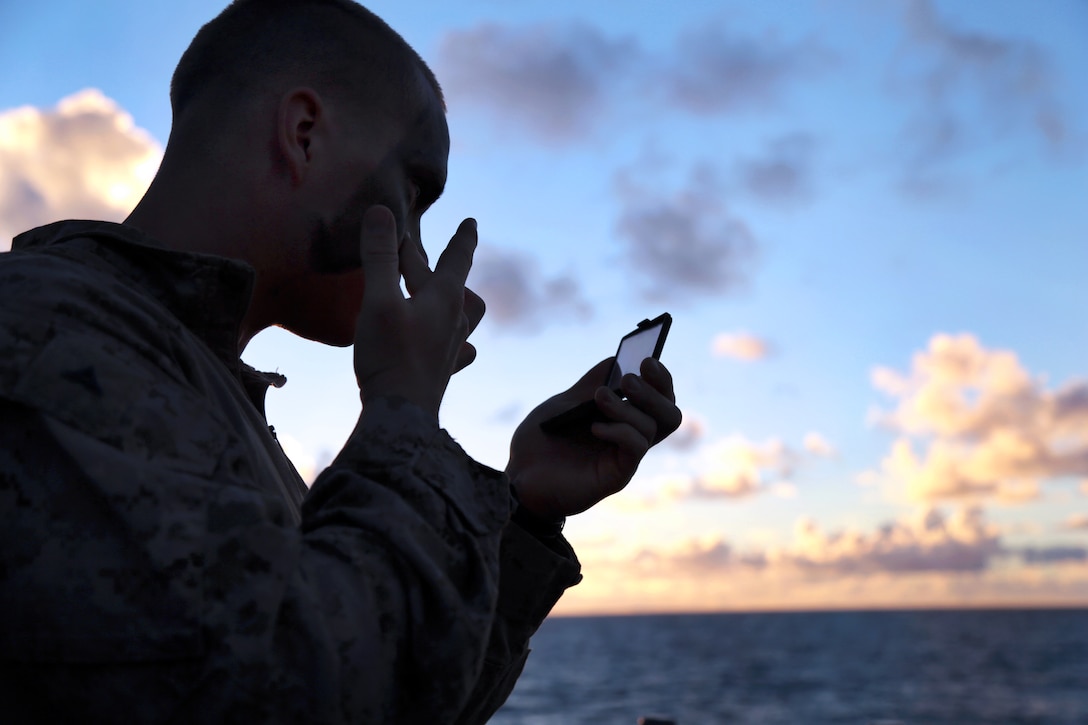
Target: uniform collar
[(208, 294)]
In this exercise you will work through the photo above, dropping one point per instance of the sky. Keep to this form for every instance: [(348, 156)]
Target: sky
[(869, 222)]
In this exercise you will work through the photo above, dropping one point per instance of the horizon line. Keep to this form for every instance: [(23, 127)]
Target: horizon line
[(898, 608)]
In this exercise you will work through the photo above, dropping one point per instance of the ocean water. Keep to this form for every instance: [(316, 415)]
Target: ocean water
[(931, 667)]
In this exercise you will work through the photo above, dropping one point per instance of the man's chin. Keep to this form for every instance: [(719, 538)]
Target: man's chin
[(326, 336), (323, 308)]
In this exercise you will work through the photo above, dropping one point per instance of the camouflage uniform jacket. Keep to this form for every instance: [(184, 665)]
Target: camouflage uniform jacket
[(162, 561)]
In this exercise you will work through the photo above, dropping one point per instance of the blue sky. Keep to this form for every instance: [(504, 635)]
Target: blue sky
[(868, 220)]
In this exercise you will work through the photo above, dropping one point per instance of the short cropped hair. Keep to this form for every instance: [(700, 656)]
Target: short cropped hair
[(337, 44)]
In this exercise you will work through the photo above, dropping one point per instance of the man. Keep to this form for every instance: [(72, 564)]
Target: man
[(160, 559)]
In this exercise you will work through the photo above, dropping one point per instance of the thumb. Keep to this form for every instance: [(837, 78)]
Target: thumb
[(594, 378), (378, 251)]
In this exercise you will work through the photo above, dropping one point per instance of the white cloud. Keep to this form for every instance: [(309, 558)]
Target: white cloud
[(975, 423), (305, 462), (818, 446), (736, 467), (929, 541), (731, 467), (85, 158), (1077, 522), (740, 346), (867, 478), (728, 468), (784, 490)]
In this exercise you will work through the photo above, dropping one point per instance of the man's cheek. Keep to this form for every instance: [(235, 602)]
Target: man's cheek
[(336, 251)]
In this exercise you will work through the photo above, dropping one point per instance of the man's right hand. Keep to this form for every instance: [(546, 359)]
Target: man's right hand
[(409, 347)]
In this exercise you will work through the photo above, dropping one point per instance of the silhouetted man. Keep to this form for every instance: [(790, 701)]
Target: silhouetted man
[(160, 559)]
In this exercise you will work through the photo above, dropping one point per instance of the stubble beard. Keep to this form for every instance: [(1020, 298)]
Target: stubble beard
[(334, 244)]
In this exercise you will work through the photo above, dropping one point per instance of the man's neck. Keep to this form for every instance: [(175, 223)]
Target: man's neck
[(208, 223)]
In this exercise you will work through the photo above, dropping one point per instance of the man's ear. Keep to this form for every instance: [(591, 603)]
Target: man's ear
[(298, 122)]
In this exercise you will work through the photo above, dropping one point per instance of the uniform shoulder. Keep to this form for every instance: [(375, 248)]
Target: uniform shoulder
[(87, 349)]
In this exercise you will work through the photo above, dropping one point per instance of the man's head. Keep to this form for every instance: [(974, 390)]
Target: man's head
[(338, 44), (291, 118)]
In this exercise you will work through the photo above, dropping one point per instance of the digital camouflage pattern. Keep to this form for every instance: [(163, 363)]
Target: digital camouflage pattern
[(162, 561)]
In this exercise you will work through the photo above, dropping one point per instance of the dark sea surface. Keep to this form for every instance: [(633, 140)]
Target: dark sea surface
[(933, 667)]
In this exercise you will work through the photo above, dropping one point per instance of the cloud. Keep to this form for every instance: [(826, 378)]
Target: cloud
[(85, 158), (306, 462), (931, 558), (784, 490), (998, 68), (700, 555), (686, 243), (564, 81), (985, 426), (818, 446), (783, 175), (554, 79), (740, 346), (970, 88), (692, 430), (519, 297), (735, 467), (930, 541), (714, 72), (1077, 522), (1055, 555)]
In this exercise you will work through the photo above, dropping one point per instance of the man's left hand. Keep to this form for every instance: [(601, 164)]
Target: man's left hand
[(557, 476)]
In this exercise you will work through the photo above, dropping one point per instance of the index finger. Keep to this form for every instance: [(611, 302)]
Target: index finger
[(378, 253), (658, 376), (414, 265), (668, 416), (456, 259)]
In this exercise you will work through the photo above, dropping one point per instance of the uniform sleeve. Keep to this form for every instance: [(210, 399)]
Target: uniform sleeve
[(531, 579), (198, 599), (149, 573), (533, 576), (124, 584)]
